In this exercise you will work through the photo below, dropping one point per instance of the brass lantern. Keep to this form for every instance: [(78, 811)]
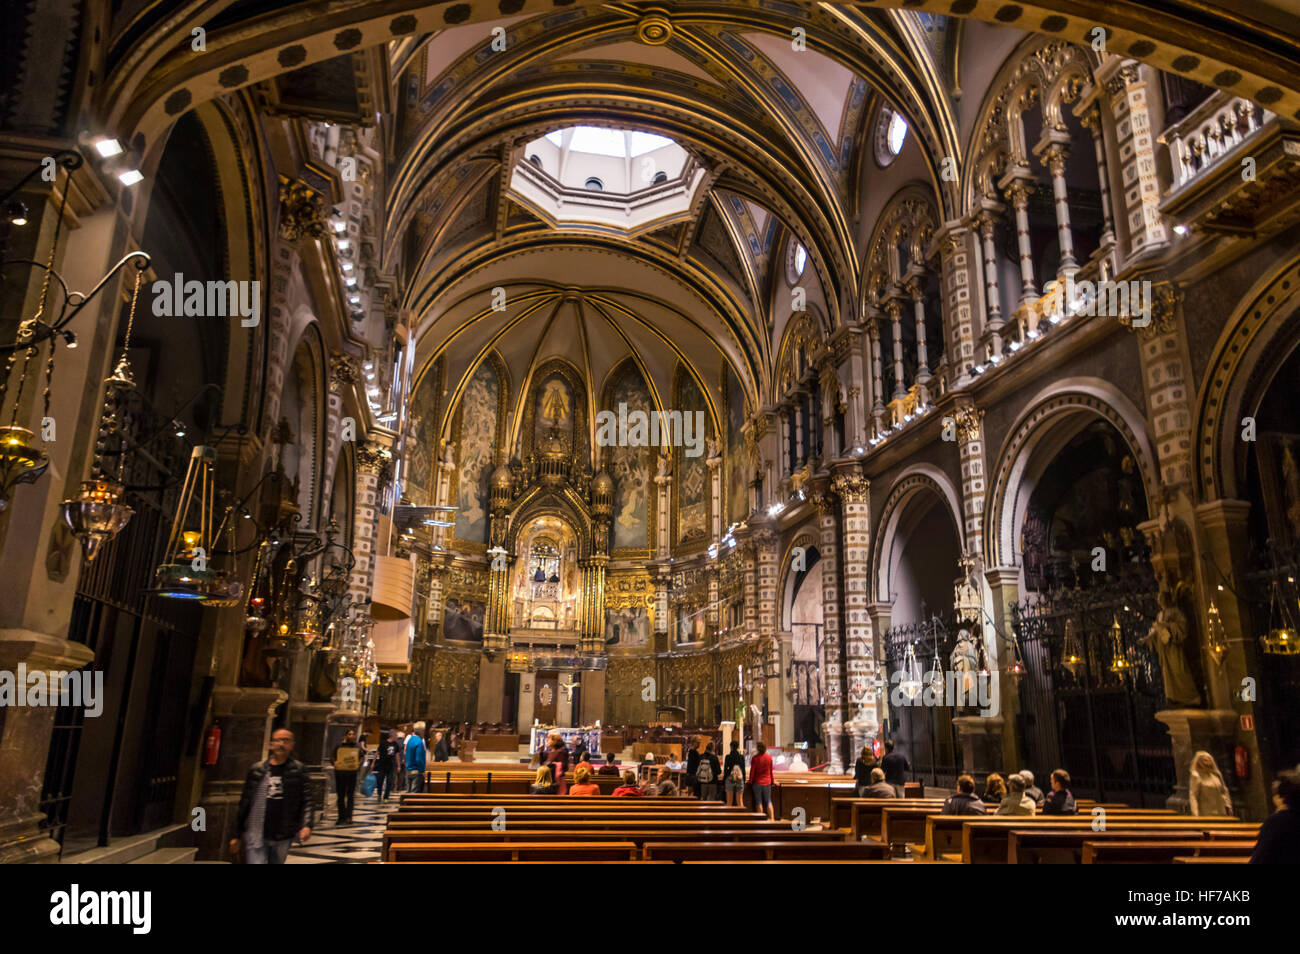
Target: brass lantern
[(1118, 660), (184, 573), (97, 514)]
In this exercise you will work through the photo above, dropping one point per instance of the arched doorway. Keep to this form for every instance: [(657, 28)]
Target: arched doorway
[(807, 649), (1090, 687)]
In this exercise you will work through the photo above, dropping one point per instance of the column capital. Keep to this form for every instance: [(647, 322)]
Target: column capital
[(343, 371), (850, 484)]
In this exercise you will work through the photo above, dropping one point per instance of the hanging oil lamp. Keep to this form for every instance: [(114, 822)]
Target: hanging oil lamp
[(1072, 655), (184, 573), (97, 514), (1215, 638), (911, 684), (1280, 640), (1119, 663)]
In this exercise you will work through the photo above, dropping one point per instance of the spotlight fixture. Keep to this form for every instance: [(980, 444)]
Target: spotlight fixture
[(107, 147), (130, 177), (16, 213), (1180, 230)]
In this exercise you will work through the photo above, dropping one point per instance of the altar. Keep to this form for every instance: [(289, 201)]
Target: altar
[(587, 735)]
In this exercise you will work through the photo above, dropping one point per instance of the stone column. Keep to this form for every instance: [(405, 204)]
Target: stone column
[(1054, 151), (768, 553), (987, 219), (750, 556), (1090, 117), (800, 453), (245, 718), (833, 728), (958, 273), (895, 311), (970, 449), (861, 673), (25, 741), (1004, 582), (1126, 82), (342, 373), (1018, 187), (371, 462), (916, 290), (877, 376)]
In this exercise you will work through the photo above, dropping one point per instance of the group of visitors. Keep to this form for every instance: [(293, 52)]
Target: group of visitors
[(1013, 795), (890, 772)]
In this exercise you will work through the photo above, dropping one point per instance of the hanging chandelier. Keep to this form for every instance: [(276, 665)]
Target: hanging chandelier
[(911, 682), (1215, 638), (1072, 655), (184, 573), (97, 514), (1280, 640), (22, 459), (1119, 662)]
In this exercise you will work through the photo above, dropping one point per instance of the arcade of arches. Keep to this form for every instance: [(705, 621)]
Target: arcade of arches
[(649, 366)]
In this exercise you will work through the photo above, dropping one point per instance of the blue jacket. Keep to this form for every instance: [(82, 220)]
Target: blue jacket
[(415, 754)]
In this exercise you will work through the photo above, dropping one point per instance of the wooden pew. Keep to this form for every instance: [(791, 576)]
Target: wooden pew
[(1053, 846), (639, 837), (1149, 852), (819, 848), (864, 816), (944, 834), (986, 841), (812, 792), (1232, 860), (514, 851)]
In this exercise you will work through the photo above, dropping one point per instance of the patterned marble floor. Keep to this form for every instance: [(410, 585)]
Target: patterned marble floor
[(357, 843)]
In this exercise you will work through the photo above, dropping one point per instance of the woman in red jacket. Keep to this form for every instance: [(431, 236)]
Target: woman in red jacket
[(760, 778), (629, 787)]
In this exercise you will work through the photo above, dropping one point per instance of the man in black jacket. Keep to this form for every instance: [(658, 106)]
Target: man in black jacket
[(895, 767), (964, 801), (275, 805), (1060, 801)]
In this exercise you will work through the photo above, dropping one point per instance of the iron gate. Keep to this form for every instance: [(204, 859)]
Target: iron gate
[(1091, 689), (925, 734)]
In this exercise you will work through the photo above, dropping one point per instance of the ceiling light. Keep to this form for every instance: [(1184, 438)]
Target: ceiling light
[(1180, 230), (347, 266), (355, 299), (107, 147), (130, 177), (343, 244), (16, 213), (340, 225), (350, 281)]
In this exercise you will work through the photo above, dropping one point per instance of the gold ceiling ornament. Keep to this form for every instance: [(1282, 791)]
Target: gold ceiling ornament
[(654, 28), (967, 420)]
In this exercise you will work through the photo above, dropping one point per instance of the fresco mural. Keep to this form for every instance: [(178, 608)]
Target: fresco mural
[(692, 472), (737, 492), (627, 628), (630, 467), (478, 426), (463, 620), (423, 453)]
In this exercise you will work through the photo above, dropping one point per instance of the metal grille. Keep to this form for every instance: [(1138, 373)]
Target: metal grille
[(1086, 717), (924, 733)]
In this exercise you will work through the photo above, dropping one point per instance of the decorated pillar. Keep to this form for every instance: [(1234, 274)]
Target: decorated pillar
[(860, 675), (987, 220), (1018, 186), (877, 375), (1126, 83), (372, 459), (895, 311), (916, 289), (1090, 117), (1054, 150), (833, 728), (957, 248), (342, 373)]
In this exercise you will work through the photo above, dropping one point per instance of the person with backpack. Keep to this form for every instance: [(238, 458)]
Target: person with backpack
[(347, 762), (707, 774), (733, 773), (386, 765)]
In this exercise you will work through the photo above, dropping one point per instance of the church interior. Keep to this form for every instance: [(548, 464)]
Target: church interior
[(821, 381)]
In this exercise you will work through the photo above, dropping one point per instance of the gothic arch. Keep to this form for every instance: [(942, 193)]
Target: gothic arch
[(1051, 419), (885, 552), (809, 537), (1255, 341)]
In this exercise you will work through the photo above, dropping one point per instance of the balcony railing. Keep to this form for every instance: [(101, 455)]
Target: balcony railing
[(1210, 132)]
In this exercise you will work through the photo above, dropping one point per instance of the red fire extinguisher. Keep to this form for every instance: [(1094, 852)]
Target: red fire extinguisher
[(1241, 761), (212, 744)]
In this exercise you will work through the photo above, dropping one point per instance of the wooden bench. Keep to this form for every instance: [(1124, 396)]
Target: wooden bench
[(514, 851), (1159, 852), (986, 841), (901, 823), (811, 792), (1194, 860), (639, 837), (944, 833), (819, 849)]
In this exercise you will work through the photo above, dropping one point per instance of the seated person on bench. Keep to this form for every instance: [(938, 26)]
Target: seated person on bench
[(663, 785), (878, 788), (629, 788), (1016, 801), (1060, 801), (964, 801), (544, 783), (610, 767)]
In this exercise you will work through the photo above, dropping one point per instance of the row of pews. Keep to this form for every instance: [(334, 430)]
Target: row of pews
[(1122, 835), (498, 828)]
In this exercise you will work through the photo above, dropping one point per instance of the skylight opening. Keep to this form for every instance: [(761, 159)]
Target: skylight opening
[(897, 133), (643, 142), (598, 141)]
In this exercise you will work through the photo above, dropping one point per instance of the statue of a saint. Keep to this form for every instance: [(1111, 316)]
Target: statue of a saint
[(965, 658), (1166, 638)]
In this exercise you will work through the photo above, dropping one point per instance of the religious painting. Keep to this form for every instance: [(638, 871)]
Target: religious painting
[(463, 620), (627, 628), (630, 466), (737, 478), (422, 452), (478, 426), (553, 411), (692, 471)]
